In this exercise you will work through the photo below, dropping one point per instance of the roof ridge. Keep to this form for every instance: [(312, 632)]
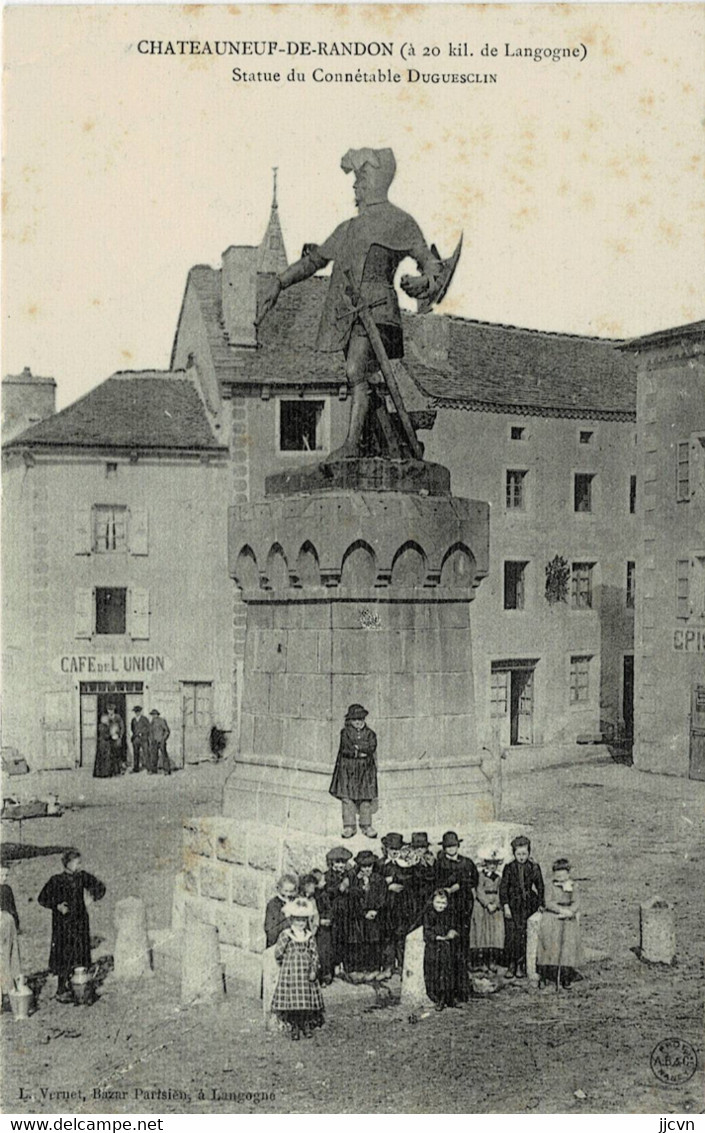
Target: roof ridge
[(527, 330)]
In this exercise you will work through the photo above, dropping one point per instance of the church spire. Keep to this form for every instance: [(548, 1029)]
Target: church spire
[(272, 253)]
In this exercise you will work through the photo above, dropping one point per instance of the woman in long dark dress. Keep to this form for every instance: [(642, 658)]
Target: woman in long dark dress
[(67, 895), (442, 958), (104, 767)]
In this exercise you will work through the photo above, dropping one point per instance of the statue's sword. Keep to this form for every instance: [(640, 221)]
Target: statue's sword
[(361, 311)]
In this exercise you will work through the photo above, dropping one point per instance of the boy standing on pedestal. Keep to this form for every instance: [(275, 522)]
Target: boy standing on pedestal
[(355, 775)]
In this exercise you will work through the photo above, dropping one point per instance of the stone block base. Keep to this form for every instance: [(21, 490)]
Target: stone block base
[(295, 796)]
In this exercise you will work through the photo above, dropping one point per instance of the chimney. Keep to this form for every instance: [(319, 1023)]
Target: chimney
[(429, 339), (239, 295), (26, 399)]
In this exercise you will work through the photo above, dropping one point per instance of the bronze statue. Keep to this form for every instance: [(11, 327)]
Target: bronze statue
[(361, 314)]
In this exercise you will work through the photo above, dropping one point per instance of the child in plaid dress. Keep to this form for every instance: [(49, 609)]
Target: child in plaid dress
[(298, 1000)]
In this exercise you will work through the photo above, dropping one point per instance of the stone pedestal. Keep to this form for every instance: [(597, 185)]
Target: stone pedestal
[(358, 580), (201, 966), (658, 934), (413, 986), (359, 597)]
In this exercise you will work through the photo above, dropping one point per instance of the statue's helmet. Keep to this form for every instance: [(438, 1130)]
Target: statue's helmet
[(374, 172)]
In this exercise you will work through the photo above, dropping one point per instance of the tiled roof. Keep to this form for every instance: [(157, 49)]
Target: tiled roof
[(144, 410), (487, 366), (494, 366)]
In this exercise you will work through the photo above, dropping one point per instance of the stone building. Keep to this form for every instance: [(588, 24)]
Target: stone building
[(113, 507), (670, 631)]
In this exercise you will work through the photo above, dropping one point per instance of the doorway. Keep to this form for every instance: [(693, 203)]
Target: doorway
[(197, 719), (512, 702), (697, 733), (95, 698), (628, 698)]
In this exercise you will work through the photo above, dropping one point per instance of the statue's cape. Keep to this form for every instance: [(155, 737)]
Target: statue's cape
[(382, 225)]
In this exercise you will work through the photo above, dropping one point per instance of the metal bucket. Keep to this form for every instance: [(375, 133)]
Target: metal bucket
[(21, 998)]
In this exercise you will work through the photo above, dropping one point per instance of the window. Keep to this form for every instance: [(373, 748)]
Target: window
[(300, 425), (632, 495), (581, 586), (683, 588), (697, 586), (499, 693), (582, 491), (110, 610), (683, 471), (514, 585), (631, 584), (111, 470), (516, 494), (517, 433), (585, 436), (109, 528), (580, 680)]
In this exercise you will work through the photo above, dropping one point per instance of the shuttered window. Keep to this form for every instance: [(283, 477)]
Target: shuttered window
[(683, 588), (109, 528), (581, 586), (139, 614), (683, 471), (580, 679)]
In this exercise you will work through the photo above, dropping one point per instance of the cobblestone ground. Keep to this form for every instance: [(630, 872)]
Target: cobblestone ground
[(629, 835)]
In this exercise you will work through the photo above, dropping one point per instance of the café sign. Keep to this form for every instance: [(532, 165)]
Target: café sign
[(114, 665)]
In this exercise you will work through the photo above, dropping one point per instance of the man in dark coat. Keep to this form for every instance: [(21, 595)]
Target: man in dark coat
[(398, 879), (459, 877), (367, 899), (354, 779), (67, 894), (336, 898), (159, 733), (521, 894), (139, 729), (422, 871)]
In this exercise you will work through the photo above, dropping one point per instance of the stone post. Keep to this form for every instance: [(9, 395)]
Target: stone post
[(413, 987), (201, 970), (658, 934), (132, 958)]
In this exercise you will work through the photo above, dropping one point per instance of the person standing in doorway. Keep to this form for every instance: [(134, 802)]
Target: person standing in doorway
[(159, 733), (355, 774), (104, 766), (116, 729), (68, 895), (139, 727)]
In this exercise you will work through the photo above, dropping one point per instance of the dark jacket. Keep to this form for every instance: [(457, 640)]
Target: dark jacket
[(7, 904), (70, 931), (355, 772), (139, 728), (460, 871), (521, 888), (274, 920)]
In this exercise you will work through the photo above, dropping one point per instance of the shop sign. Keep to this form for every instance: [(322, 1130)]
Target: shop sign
[(115, 665), (689, 640)]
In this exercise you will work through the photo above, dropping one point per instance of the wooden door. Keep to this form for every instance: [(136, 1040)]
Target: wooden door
[(58, 728), (522, 706), (197, 720), (89, 728), (697, 733)]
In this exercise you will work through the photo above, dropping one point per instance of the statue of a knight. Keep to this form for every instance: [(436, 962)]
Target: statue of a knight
[(366, 252)]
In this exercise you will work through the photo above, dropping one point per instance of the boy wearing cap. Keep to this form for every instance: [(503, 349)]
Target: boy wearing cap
[(159, 733), (368, 895), (521, 893), (457, 875), (139, 734), (335, 896), (354, 779)]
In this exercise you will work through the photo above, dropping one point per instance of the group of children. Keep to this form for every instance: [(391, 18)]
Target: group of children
[(352, 920)]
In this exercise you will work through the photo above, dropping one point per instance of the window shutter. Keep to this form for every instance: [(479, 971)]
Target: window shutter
[(82, 534), (139, 614), (83, 613), (139, 531)]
